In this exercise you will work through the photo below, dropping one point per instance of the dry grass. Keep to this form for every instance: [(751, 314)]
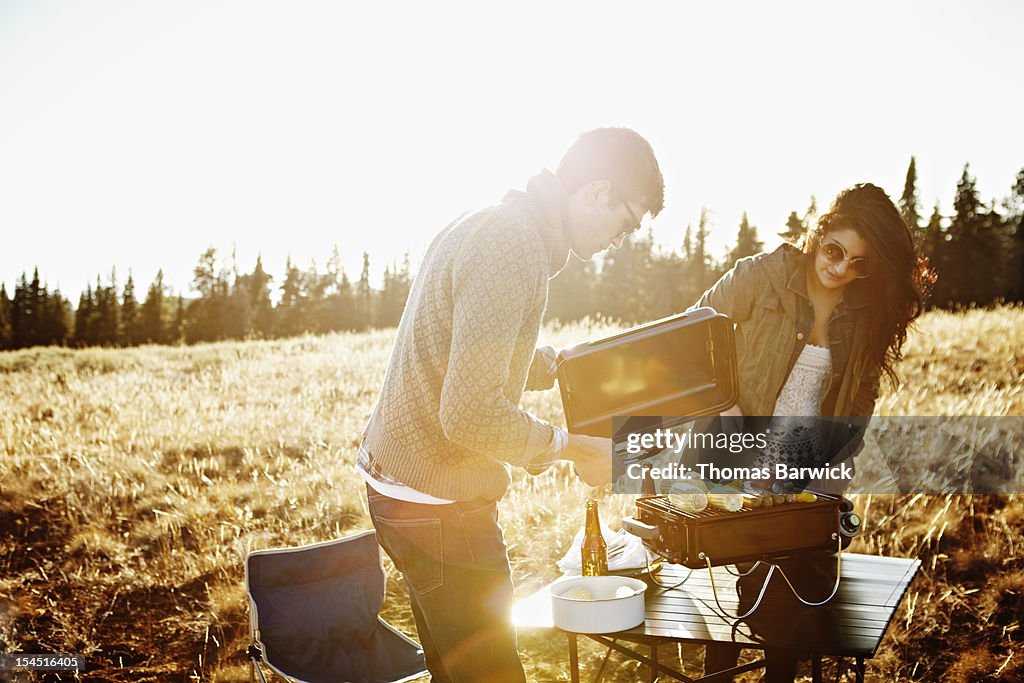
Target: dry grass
[(133, 482)]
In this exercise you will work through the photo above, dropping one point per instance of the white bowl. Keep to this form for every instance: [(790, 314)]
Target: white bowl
[(603, 612)]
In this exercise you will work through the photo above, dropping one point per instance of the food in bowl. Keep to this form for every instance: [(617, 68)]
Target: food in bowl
[(598, 604), (578, 593)]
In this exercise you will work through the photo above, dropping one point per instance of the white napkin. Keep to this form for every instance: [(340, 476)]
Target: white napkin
[(625, 551)]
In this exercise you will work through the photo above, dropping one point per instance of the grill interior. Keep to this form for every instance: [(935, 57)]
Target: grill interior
[(662, 505)]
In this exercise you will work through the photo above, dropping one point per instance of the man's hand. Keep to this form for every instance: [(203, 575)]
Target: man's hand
[(733, 412), (591, 457)]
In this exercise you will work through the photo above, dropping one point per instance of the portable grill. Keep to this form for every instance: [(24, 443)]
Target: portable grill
[(750, 534), (662, 375), (717, 537)]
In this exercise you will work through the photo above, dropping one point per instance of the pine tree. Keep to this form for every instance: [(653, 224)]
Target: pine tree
[(662, 283), (747, 243), (626, 284), (237, 315), (34, 310), (5, 319), (795, 229), (969, 244), (57, 320), (934, 236), (382, 312), (811, 215), (364, 297), (339, 306), (391, 300), (100, 315), (129, 314), (20, 314), (83, 318), (571, 292), (106, 322), (995, 246), (176, 335), (1015, 226), (703, 276), (908, 202), (402, 285), (206, 315), (684, 285), (25, 312), (259, 293), (151, 315), (289, 308), (314, 300), (670, 274)]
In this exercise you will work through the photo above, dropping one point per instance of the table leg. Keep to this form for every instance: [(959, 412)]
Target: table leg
[(816, 668), (654, 658), (861, 670), (574, 659)]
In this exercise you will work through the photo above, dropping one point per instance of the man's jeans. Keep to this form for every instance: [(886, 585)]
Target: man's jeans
[(456, 570)]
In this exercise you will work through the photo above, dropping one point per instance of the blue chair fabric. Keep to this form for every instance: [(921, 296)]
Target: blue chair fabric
[(314, 614)]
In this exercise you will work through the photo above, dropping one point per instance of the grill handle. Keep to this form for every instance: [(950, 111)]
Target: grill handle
[(638, 528)]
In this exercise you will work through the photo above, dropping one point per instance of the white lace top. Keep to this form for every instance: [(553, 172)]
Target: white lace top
[(794, 437), (805, 388)]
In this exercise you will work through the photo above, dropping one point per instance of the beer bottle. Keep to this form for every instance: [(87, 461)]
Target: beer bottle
[(594, 550)]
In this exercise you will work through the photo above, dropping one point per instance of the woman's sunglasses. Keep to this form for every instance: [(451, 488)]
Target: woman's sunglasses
[(835, 253)]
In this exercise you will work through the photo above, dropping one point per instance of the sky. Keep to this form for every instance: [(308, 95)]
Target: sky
[(134, 135)]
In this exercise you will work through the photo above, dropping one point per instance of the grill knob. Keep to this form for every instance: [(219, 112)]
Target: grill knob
[(849, 524)]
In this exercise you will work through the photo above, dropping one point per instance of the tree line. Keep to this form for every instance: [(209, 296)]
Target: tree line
[(229, 305), (977, 252)]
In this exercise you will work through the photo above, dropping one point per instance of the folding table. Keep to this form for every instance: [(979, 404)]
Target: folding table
[(852, 624)]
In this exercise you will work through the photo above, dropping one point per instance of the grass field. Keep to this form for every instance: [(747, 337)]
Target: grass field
[(133, 482)]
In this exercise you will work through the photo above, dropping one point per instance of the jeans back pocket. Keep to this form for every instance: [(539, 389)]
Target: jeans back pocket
[(415, 546)]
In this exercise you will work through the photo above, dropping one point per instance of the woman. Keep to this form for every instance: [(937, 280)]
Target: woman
[(816, 329)]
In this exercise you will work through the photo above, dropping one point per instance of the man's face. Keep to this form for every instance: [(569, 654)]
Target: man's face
[(600, 217)]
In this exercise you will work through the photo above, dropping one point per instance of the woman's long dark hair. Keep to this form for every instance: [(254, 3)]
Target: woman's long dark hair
[(900, 281)]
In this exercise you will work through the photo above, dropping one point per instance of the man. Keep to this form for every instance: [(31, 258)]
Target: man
[(447, 425)]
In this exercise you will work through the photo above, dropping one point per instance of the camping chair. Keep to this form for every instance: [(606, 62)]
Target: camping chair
[(313, 615)]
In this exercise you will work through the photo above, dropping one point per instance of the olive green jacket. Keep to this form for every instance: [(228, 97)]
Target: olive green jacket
[(766, 298)]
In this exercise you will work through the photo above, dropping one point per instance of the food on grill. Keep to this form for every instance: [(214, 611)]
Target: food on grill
[(688, 497), (725, 498), (768, 500)]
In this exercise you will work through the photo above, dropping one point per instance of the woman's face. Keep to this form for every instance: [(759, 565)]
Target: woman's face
[(836, 273)]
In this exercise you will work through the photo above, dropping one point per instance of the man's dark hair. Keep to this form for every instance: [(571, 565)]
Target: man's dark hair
[(623, 158)]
